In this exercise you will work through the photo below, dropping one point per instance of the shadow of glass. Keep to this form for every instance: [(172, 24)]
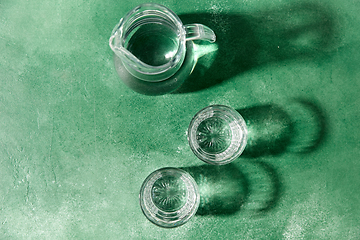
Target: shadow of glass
[(298, 127), (270, 129), (310, 125), (245, 41), (225, 190), (265, 186)]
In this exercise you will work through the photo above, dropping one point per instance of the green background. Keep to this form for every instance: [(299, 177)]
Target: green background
[(76, 143)]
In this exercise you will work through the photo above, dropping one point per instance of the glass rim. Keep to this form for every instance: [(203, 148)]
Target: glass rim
[(236, 147)]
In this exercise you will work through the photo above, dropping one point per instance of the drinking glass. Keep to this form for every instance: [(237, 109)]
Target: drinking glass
[(154, 50), (217, 134), (169, 197)]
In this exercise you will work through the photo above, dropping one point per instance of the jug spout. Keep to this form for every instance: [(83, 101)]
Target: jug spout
[(118, 50), (121, 52), (131, 62), (115, 33)]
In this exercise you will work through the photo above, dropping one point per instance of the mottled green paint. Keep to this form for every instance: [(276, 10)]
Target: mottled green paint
[(76, 143)]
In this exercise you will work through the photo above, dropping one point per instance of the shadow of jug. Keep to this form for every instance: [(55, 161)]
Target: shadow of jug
[(305, 31)]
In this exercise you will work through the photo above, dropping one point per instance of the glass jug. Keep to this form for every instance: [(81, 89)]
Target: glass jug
[(154, 51)]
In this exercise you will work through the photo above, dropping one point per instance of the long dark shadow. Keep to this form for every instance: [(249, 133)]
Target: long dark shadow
[(274, 190), (311, 126), (299, 127), (223, 189), (226, 190), (305, 31), (270, 130)]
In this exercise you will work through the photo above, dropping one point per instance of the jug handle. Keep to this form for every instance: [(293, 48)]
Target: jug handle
[(199, 32)]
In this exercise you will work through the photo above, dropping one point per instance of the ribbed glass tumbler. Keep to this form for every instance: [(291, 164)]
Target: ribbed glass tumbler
[(217, 134), (169, 197)]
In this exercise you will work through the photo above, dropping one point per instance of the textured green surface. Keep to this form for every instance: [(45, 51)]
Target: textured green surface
[(76, 143)]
